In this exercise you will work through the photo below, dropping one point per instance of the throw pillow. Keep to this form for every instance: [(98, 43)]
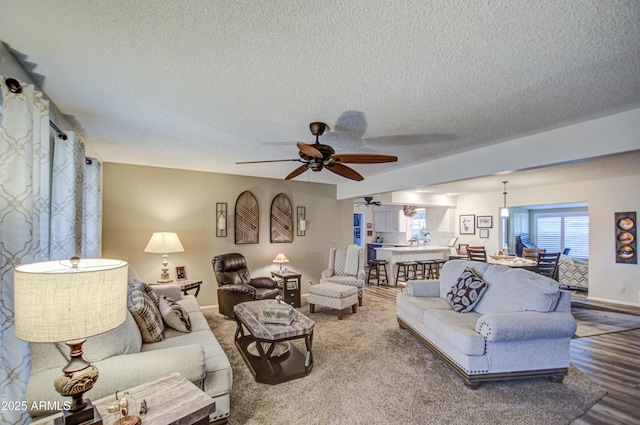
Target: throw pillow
[(147, 289), (464, 295), (146, 315), (174, 314)]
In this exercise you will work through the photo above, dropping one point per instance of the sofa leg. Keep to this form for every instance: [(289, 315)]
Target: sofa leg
[(312, 308), (339, 314), (471, 385), (360, 301), (354, 308), (557, 378)]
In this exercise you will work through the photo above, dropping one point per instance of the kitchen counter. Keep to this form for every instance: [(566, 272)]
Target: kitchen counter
[(415, 248), (410, 253)]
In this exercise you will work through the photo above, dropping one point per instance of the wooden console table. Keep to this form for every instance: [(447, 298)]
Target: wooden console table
[(291, 282), (170, 400)]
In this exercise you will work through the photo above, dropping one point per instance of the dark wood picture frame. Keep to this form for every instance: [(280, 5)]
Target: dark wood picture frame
[(181, 273), (467, 224), (484, 222)]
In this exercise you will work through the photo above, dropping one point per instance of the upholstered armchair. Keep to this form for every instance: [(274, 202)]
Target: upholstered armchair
[(573, 273), (235, 284), (346, 267)]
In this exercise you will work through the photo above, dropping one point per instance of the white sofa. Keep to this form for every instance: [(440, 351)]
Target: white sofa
[(124, 361), (520, 327)]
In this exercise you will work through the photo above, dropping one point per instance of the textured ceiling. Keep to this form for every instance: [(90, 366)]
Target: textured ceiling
[(202, 84)]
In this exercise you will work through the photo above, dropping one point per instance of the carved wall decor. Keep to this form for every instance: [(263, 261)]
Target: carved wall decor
[(246, 219), (626, 234), (281, 219)]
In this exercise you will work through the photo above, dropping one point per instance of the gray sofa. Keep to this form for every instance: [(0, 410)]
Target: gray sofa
[(124, 361), (520, 327)]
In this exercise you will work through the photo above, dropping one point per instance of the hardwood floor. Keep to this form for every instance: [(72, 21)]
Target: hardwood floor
[(612, 360)]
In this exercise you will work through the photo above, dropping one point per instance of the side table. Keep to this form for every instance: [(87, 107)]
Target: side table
[(170, 400), (290, 286), (186, 285)]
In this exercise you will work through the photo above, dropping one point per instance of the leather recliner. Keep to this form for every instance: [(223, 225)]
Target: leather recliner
[(235, 284)]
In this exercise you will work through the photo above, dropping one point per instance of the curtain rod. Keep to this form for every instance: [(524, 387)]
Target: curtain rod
[(59, 132), (15, 87)]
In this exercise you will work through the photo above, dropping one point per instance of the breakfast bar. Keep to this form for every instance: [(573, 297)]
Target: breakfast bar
[(410, 253)]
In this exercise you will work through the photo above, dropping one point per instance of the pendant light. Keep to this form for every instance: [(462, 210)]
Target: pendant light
[(504, 212)]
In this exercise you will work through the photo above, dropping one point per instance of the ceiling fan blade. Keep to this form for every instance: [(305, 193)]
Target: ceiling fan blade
[(301, 169), (344, 171), (269, 160), (309, 150), (363, 158)]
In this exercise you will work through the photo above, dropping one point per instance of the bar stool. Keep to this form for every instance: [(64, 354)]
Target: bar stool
[(408, 269), (380, 267), (428, 269), (438, 266)]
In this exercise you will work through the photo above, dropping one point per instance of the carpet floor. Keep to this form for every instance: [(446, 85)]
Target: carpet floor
[(369, 371), (597, 322)]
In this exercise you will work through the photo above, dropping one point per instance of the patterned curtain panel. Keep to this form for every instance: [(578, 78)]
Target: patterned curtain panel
[(92, 209), (24, 223), (66, 197)]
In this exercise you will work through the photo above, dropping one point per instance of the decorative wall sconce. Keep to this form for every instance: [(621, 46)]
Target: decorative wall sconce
[(301, 220), (221, 219)]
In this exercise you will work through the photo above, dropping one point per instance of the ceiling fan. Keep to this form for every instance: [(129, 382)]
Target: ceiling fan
[(368, 201), (318, 156)]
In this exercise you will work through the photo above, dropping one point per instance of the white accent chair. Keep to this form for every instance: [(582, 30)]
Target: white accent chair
[(336, 272)]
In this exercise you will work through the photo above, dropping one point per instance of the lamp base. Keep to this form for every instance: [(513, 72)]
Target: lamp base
[(87, 416)]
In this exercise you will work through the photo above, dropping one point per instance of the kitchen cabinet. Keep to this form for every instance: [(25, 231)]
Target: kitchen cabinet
[(389, 221), (440, 220)]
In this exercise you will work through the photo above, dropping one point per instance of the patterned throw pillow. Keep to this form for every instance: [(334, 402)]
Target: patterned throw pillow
[(466, 293), (147, 289), (174, 314), (146, 314)]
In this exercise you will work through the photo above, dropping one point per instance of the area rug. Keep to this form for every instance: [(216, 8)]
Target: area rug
[(369, 371), (593, 322)]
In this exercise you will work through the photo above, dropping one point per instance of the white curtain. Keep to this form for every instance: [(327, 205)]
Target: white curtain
[(50, 209), (24, 223)]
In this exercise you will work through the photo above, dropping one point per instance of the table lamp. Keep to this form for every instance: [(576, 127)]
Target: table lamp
[(280, 258), (164, 243), (69, 301)]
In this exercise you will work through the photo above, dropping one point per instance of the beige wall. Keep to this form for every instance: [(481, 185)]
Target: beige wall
[(605, 197), (141, 200)]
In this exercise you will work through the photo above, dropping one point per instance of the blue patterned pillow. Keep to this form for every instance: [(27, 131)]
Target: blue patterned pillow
[(466, 293)]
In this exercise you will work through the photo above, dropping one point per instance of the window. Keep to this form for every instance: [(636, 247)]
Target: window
[(556, 231), (418, 224)]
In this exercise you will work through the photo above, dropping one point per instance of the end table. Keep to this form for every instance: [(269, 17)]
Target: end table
[(186, 285), (291, 282)]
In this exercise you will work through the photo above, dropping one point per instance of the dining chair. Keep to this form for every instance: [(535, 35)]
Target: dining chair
[(548, 264), (477, 253), (532, 253)]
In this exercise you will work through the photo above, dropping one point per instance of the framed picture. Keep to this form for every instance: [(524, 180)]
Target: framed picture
[(468, 224), (369, 225), (484, 233), (485, 222), (181, 272), (462, 248), (369, 232)]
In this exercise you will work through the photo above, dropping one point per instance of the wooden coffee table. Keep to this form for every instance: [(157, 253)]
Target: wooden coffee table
[(270, 365), (170, 400)]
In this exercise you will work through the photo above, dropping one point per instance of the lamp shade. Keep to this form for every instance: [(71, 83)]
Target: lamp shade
[(164, 243), (66, 300), (280, 258)]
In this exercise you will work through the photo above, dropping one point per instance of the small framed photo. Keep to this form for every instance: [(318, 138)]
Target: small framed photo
[(468, 224), (369, 232), (462, 248), (484, 233), (485, 222), (369, 225), (181, 272)]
